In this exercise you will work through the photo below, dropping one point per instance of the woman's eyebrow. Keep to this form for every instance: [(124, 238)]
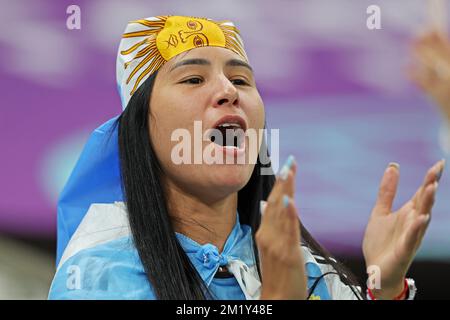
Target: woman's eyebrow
[(238, 63), (197, 61)]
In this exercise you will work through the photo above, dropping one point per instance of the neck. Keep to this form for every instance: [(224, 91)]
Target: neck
[(202, 221)]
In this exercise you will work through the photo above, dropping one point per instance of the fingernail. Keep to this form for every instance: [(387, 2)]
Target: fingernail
[(439, 174), (394, 164), (285, 201), (284, 172), (426, 218), (262, 206), (289, 161)]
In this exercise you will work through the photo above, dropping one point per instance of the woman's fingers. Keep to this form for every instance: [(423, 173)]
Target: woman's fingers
[(292, 222), (289, 184), (423, 203), (421, 220), (278, 240), (427, 199), (433, 175), (387, 190), (289, 211), (289, 219), (279, 211), (283, 185), (420, 207), (282, 177), (415, 233)]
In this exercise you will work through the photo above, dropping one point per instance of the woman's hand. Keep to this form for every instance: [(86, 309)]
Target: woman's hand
[(431, 70), (278, 241), (392, 238)]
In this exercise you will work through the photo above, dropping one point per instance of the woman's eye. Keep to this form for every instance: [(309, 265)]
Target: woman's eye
[(193, 81), (239, 82)]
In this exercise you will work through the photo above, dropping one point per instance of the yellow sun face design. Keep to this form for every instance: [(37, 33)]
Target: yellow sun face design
[(151, 42), (184, 33)]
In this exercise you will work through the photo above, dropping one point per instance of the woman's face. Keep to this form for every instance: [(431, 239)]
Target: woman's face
[(216, 86)]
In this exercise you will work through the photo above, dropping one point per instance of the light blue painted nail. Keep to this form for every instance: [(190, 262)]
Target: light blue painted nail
[(286, 167), (285, 201), (289, 161)]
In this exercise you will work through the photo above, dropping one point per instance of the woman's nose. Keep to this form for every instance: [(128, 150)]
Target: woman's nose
[(227, 94)]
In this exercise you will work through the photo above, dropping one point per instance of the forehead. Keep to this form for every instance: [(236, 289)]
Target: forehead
[(213, 54)]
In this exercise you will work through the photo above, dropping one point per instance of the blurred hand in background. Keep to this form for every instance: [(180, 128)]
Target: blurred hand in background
[(431, 68)]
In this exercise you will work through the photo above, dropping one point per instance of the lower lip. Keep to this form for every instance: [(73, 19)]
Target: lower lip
[(228, 151)]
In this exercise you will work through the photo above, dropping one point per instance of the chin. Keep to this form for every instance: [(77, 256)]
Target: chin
[(231, 177)]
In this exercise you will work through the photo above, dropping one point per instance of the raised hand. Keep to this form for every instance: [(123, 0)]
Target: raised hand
[(392, 238), (278, 241)]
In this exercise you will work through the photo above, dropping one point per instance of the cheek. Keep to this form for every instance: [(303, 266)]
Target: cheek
[(172, 117), (177, 108), (256, 113), (162, 128), (256, 117)]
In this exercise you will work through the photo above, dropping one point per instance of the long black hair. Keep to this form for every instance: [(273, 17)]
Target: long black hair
[(168, 268)]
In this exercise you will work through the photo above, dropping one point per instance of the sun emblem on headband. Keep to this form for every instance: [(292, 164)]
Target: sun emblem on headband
[(199, 38), (164, 37)]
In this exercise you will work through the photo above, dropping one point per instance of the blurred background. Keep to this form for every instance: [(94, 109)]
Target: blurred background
[(347, 99)]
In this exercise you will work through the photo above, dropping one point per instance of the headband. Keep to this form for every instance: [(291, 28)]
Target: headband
[(149, 43)]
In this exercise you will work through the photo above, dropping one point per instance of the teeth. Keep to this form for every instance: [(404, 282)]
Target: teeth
[(229, 125)]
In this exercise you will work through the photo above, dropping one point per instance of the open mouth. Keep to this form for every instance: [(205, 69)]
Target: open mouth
[(229, 132)]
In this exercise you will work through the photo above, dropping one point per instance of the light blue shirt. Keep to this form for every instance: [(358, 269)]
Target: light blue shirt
[(114, 271)]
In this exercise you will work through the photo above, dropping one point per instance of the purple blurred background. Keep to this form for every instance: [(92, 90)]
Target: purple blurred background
[(337, 91)]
